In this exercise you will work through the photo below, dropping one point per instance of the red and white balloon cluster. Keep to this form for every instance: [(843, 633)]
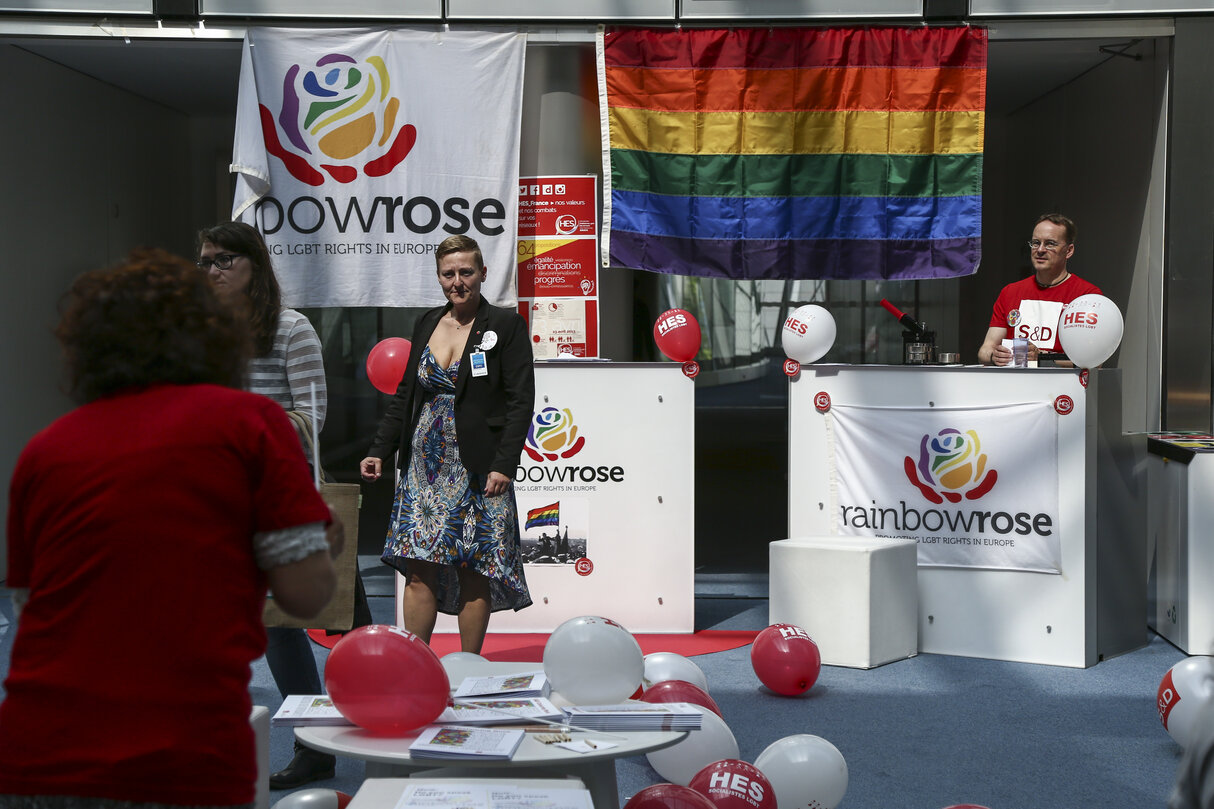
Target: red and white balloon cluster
[(704, 770)]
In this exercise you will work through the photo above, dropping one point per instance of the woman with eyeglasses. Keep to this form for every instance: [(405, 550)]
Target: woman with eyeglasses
[(287, 366)]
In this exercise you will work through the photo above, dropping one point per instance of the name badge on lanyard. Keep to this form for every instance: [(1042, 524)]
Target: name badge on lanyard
[(479, 366)]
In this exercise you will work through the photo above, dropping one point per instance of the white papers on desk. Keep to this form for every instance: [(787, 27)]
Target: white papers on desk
[(635, 716), (463, 741), (523, 684), (498, 711), (316, 710), (480, 794)]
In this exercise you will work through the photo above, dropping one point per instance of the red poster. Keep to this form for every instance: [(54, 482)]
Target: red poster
[(558, 264)]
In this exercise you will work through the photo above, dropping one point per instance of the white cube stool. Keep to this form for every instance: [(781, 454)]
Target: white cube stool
[(259, 718), (857, 597)]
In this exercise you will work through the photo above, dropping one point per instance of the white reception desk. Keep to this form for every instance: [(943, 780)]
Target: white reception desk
[(1084, 604), (611, 460)]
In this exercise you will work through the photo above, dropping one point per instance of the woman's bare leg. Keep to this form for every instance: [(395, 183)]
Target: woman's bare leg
[(474, 610), (419, 606)]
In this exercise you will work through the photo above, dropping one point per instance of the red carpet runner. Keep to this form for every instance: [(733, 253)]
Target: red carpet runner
[(529, 648)]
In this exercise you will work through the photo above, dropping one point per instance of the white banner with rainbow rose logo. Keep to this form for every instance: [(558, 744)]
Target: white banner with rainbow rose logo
[(975, 487), (359, 150)]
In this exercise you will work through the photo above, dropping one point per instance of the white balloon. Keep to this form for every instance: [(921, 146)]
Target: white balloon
[(312, 799), (663, 666), (808, 333), (1089, 330), (1183, 692), (593, 661), (680, 762), (459, 665), (805, 770)]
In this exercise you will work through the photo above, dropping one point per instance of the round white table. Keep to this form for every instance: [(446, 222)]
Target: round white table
[(388, 757)]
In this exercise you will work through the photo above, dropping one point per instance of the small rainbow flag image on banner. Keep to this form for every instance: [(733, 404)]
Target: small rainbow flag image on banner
[(831, 153), (545, 515)]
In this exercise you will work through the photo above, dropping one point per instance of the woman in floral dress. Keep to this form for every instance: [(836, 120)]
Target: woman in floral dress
[(459, 419)]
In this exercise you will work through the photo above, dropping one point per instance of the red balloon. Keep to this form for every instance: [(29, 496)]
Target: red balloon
[(733, 784), (677, 334), (680, 691), (386, 363), (668, 796), (785, 659), (386, 680)]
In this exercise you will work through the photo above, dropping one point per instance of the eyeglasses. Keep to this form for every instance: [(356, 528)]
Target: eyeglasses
[(221, 261), (1050, 246)]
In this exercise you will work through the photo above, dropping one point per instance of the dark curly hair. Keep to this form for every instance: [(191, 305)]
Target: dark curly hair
[(263, 293), (151, 319)]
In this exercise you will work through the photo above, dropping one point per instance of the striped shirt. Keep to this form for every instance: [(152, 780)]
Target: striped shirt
[(294, 362)]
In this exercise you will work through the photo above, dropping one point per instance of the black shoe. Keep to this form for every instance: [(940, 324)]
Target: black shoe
[(308, 765)]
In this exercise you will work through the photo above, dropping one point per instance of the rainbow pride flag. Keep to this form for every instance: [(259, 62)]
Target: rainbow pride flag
[(837, 153), (545, 515)]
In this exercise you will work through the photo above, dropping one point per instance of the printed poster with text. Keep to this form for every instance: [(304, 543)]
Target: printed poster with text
[(558, 283)]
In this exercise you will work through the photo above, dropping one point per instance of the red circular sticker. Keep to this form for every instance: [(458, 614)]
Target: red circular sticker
[(691, 368), (1083, 377), (1064, 404), (583, 566), (822, 401), (791, 367)]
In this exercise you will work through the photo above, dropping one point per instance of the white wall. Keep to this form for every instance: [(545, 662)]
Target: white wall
[(89, 172)]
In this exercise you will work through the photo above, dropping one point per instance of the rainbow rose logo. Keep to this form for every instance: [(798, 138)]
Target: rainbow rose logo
[(338, 116), (951, 465), (553, 435)]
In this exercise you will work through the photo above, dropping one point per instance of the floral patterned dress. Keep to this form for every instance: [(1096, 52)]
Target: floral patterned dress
[(441, 513)]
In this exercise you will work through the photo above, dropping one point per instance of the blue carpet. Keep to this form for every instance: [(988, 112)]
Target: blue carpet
[(922, 733)]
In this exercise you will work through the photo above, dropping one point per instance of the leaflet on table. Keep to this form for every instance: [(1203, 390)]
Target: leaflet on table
[(523, 684), (495, 795), (636, 716), (308, 709), (498, 711), (463, 741)]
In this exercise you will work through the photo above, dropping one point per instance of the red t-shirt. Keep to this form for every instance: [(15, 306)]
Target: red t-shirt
[(131, 522), (1007, 311)]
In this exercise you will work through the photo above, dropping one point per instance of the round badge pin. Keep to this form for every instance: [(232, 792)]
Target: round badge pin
[(822, 401), (583, 566), (1064, 404), (488, 340), (1083, 377), (791, 367), (691, 368)]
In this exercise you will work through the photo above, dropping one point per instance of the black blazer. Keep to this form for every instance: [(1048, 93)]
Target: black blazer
[(492, 412)]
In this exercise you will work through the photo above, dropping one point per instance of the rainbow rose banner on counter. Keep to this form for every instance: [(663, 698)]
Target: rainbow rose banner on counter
[(975, 487), (830, 153), (359, 150)]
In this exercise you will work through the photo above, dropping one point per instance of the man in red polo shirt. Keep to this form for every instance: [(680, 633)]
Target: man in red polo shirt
[(1030, 308)]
